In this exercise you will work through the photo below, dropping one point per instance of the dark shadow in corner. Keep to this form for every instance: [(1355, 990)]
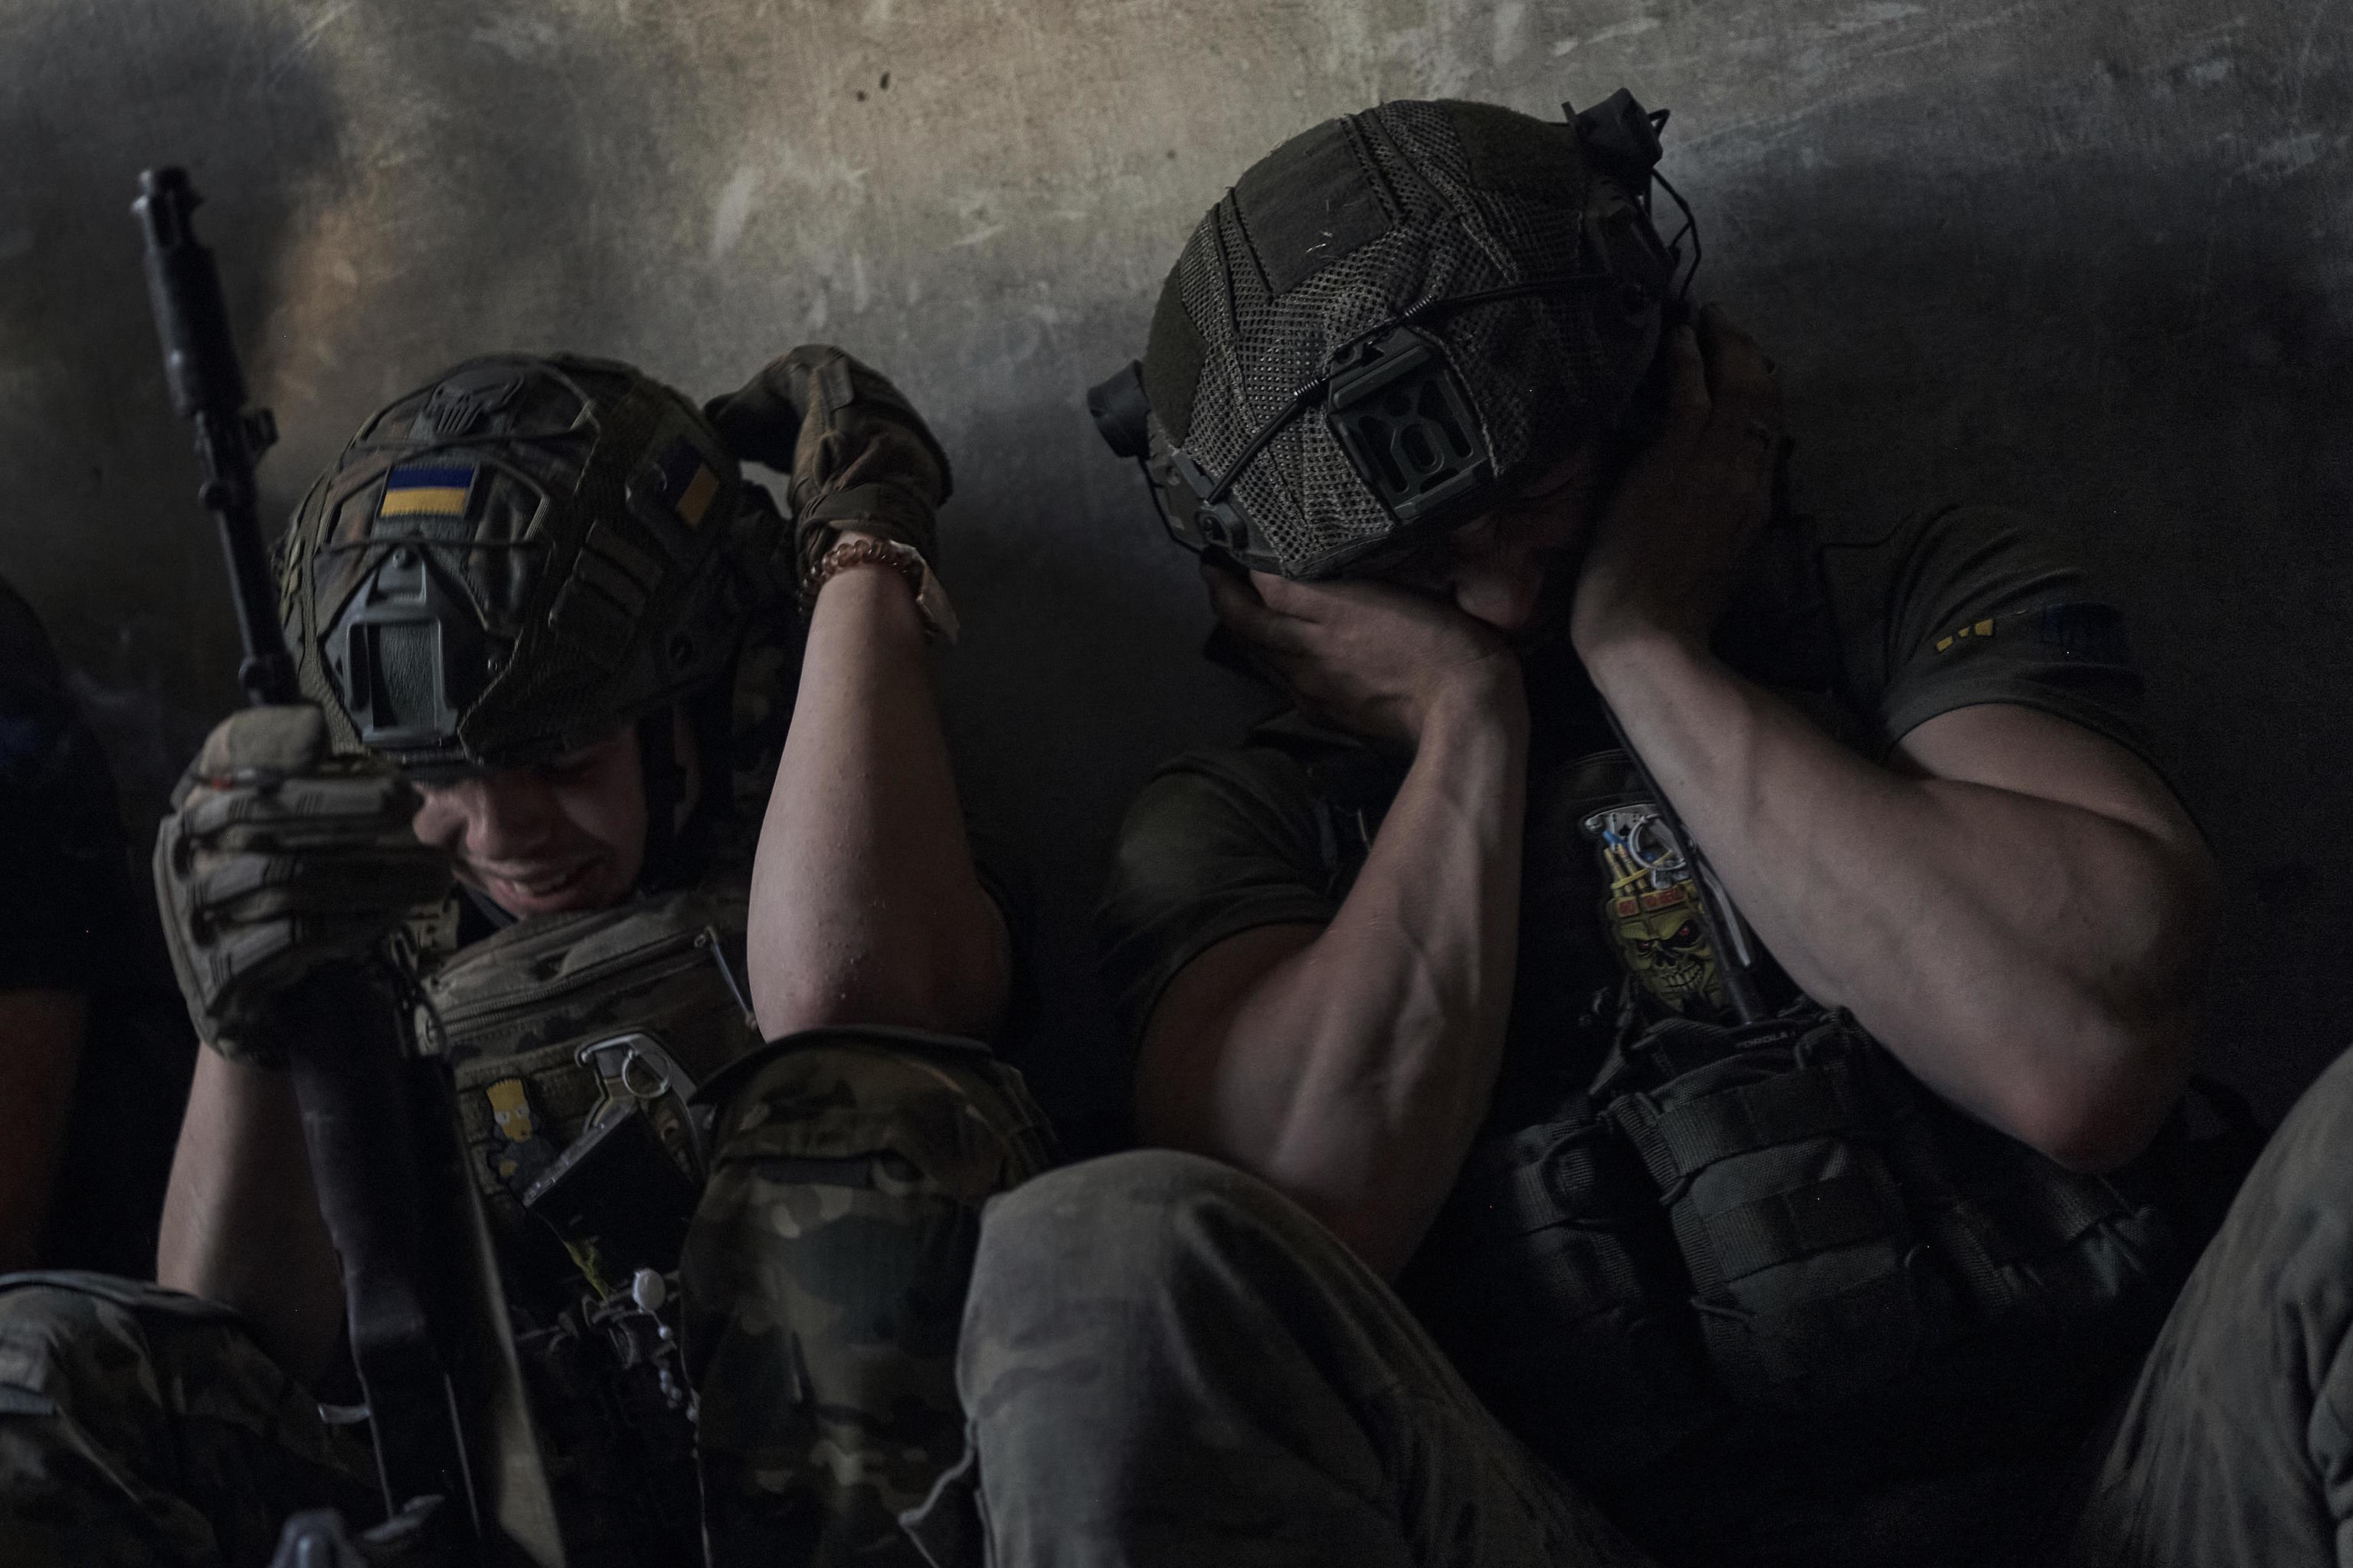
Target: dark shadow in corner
[(2154, 360), (108, 540)]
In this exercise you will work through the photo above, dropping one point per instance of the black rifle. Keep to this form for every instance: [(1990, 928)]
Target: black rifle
[(429, 1330)]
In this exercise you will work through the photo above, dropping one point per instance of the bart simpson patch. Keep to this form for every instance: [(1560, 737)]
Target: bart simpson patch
[(523, 1151)]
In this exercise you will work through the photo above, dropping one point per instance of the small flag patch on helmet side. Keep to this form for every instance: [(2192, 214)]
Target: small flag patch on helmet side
[(427, 490), (687, 484)]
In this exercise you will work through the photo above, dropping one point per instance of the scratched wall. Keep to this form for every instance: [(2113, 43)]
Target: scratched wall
[(2090, 258)]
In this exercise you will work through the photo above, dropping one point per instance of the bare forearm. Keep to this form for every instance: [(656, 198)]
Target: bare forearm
[(865, 906), (241, 1223), (1353, 1075), (2031, 960)]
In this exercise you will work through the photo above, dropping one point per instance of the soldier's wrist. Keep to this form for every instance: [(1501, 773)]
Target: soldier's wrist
[(856, 551), (1490, 696)]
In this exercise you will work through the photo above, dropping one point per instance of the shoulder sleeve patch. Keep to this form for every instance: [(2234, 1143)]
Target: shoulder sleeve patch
[(1974, 629), (2088, 631)]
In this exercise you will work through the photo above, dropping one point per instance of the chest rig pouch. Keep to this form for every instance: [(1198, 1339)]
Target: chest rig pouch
[(577, 1042), (1775, 1222)]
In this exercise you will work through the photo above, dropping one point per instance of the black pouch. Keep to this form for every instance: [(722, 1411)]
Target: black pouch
[(1770, 1147), (1860, 1249), (1777, 1221), (1553, 1283), (617, 1198)]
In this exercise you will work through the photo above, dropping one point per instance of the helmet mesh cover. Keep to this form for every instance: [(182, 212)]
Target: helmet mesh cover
[(1352, 223), (517, 558)]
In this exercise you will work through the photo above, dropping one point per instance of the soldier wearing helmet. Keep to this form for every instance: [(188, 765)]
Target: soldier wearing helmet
[(732, 1160), (1628, 1003)]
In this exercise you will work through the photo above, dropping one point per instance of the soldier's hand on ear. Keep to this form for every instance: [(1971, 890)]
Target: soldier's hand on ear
[(277, 858), (860, 456), (1664, 555), (1369, 657)]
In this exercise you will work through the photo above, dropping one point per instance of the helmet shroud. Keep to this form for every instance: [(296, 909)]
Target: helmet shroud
[(519, 558), (1481, 241)]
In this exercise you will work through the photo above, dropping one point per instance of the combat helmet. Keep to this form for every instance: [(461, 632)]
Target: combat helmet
[(1390, 319), (517, 558)]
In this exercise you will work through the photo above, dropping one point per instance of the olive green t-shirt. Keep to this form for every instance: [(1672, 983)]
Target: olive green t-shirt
[(1870, 631)]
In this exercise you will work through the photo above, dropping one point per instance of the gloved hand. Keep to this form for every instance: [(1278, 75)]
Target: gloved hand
[(858, 454), (277, 858)]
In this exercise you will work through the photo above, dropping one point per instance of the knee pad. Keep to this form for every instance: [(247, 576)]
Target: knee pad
[(824, 1279), (847, 1172), (948, 1114)]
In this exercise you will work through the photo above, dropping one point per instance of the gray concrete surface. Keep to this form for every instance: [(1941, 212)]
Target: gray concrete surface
[(2089, 258)]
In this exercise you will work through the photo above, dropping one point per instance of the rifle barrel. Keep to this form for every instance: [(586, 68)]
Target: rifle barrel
[(207, 387)]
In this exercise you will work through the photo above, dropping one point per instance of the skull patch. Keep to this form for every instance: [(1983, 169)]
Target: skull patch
[(1652, 911)]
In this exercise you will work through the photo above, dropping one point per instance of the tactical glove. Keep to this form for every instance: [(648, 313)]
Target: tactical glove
[(277, 858), (859, 455)]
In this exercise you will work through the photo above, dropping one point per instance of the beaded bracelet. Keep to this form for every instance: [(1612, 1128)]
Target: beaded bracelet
[(866, 549)]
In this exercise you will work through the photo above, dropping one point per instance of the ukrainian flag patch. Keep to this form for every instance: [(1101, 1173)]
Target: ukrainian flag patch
[(427, 490), (687, 485)]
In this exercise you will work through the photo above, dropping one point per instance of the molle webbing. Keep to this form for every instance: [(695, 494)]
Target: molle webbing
[(1772, 1217), (1677, 1143), (1586, 1271), (1857, 1206), (1771, 1162), (1553, 1284)]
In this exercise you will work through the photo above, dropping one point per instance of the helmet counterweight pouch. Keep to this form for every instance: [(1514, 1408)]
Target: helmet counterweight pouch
[(406, 652)]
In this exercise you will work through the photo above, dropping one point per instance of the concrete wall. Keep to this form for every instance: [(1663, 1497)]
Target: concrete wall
[(2089, 258)]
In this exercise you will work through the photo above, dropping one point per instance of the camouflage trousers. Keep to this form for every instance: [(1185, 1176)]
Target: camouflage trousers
[(1165, 1361), (824, 1281), (2236, 1446), (142, 1426), (822, 1285)]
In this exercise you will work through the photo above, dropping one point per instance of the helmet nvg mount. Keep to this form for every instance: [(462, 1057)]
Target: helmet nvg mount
[(1390, 319), (516, 560)]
